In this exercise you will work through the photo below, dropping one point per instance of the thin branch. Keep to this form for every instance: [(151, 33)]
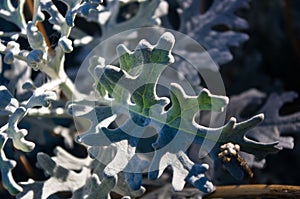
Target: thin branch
[(255, 190), (26, 165), (40, 26), (56, 72)]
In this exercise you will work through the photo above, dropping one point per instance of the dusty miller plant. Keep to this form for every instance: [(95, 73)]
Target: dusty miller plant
[(171, 118)]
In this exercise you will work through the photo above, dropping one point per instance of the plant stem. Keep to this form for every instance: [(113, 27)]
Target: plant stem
[(255, 190), (40, 26), (55, 69)]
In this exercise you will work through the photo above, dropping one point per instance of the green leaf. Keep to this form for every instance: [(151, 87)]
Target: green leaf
[(131, 90)]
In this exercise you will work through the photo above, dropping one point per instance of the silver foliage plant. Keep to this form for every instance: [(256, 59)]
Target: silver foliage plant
[(172, 118)]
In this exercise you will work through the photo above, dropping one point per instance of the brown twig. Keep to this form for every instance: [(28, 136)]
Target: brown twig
[(39, 25), (26, 166), (255, 190)]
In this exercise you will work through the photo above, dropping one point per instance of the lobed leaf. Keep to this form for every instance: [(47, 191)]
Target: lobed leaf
[(274, 127), (8, 103), (12, 14), (130, 90), (200, 27), (216, 30), (62, 179), (6, 166)]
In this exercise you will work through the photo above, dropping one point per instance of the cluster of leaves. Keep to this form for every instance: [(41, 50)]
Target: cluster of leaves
[(116, 165), (175, 126)]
